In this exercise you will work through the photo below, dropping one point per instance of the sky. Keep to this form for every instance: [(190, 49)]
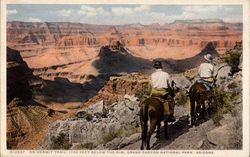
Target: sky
[(119, 14)]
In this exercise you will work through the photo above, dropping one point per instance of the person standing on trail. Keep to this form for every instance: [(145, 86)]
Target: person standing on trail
[(206, 72), (159, 82)]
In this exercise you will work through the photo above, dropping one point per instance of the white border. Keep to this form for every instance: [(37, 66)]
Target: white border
[(219, 153)]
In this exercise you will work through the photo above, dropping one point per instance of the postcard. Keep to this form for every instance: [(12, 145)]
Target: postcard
[(125, 78)]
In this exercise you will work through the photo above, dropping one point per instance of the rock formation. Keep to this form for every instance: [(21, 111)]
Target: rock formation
[(93, 126), (26, 118), (17, 76), (177, 40)]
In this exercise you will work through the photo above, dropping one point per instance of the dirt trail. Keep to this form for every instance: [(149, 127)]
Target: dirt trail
[(181, 135)]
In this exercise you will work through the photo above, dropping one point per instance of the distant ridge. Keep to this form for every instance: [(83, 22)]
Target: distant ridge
[(198, 21)]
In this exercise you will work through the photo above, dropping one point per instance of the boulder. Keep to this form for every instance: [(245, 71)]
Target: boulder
[(181, 81), (220, 136), (123, 117), (129, 140), (222, 70), (97, 110)]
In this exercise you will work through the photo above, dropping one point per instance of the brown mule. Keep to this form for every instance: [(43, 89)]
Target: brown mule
[(152, 110), (198, 95)]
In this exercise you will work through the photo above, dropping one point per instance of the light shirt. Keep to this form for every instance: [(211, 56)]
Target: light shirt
[(159, 79), (206, 70)]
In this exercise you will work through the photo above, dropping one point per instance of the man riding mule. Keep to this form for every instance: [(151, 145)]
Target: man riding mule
[(206, 72), (202, 90), (158, 107), (160, 87)]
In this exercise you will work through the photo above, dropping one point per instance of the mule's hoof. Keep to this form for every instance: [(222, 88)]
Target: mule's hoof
[(167, 137)]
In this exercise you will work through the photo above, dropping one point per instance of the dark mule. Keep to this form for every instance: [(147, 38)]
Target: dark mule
[(198, 95), (151, 110)]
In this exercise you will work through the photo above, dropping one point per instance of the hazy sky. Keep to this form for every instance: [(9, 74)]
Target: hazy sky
[(120, 14)]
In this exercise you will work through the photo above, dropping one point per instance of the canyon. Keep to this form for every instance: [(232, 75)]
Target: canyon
[(68, 50), (63, 67)]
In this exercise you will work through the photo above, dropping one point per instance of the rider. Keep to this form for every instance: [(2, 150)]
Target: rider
[(160, 83), (206, 72)]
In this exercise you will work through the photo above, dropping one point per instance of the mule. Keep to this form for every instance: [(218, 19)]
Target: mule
[(151, 109), (198, 94)]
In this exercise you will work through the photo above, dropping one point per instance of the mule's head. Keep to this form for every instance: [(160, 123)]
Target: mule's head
[(173, 89)]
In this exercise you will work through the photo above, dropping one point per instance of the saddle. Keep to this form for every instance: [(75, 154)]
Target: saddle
[(167, 102), (209, 86)]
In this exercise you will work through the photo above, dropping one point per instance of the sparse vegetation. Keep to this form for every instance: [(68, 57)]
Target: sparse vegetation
[(232, 85), (112, 135), (224, 102), (122, 132), (85, 115), (88, 145), (181, 98), (36, 91), (60, 142), (144, 92), (233, 58)]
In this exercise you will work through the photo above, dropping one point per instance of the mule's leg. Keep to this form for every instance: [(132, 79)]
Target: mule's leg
[(143, 128), (151, 131), (143, 137), (158, 130), (166, 127), (204, 110), (192, 111)]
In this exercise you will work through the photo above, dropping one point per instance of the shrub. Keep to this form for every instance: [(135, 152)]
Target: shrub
[(122, 132), (232, 85), (88, 145), (112, 135), (37, 91), (224, 102), (141, 93), (60, 142), (233, 58), (181, 98)]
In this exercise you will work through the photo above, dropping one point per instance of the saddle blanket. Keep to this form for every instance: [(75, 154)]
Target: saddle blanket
[(208, 85)]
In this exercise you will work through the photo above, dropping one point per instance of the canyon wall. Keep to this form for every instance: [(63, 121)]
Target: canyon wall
[(70, 50), (177, 36)]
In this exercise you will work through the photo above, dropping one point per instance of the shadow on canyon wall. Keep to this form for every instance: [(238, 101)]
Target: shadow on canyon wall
[(115, 63)]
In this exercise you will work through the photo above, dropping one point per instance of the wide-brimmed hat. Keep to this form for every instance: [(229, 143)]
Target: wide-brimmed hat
[(208, 57), (157, 65)]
